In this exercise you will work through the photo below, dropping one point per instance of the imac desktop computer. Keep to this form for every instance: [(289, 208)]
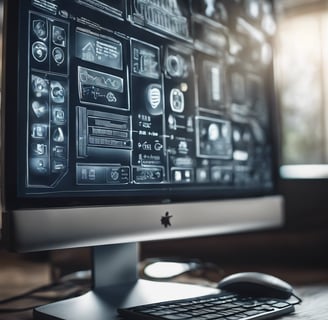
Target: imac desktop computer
[(130, 121)]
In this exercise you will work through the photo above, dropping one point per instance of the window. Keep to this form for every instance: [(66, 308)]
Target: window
[(302, 87)]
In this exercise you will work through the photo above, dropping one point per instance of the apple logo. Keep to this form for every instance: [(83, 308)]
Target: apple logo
[(165, 220)]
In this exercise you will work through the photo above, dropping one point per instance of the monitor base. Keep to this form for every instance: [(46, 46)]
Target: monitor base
[(102, 304), (116, 285)]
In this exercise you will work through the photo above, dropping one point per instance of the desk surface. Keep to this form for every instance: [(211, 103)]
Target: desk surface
[(18, 274), (315, 303)]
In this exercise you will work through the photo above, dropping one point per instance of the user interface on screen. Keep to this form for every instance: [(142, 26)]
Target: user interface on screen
[(144, 95)]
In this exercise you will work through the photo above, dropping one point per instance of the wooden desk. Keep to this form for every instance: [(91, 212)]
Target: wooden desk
[(18, 274)]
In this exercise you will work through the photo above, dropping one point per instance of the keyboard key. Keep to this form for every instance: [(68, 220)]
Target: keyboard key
[(280, 305)]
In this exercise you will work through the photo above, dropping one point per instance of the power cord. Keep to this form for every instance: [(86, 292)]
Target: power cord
[(69, 286)]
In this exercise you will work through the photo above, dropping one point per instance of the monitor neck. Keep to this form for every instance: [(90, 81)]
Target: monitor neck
[(115, 264)]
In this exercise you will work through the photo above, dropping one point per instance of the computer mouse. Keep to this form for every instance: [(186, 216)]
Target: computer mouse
[(256, 284)]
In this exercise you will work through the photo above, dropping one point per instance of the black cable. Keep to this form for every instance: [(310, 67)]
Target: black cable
[(27, 293), (71, 295), (36, 294)]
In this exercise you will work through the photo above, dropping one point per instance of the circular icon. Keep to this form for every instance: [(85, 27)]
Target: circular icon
[(57, 92), (39, 51), (58, 55), (175, 66), (115, 174)]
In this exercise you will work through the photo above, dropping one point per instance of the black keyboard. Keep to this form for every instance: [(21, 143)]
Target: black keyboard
[(222, 306)]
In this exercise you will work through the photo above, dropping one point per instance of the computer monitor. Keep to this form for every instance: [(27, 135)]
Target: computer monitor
[(129, 121)]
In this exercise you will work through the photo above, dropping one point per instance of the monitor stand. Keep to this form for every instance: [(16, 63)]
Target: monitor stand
[(116, 284)]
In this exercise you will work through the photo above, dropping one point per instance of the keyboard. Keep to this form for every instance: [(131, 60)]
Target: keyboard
[(221, 306)]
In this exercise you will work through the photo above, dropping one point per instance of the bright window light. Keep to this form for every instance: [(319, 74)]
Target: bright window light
[(302, 88)]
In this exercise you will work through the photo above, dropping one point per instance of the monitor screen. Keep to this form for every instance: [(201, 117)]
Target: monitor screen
[(135, 106)]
